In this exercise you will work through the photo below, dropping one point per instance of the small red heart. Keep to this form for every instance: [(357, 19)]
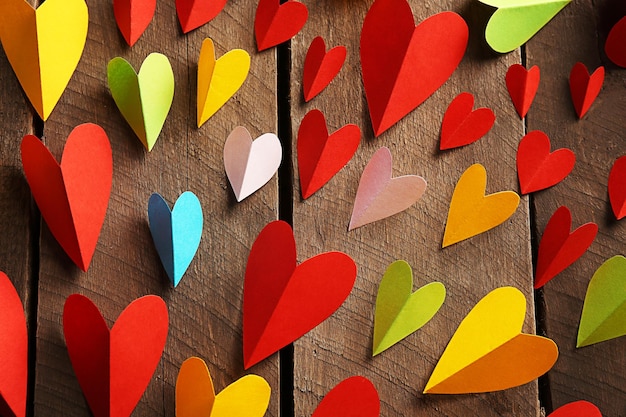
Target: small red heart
[(559, 248), (577, 409), (462, 126), (537, 167), (353, 397), (133, 17), (74, 195), (320, 155), (617, 187), (114, 367), (282, 301), (584, 87), (522, 85), (615, 46), (320, 67), (194, 13), (276, 23)]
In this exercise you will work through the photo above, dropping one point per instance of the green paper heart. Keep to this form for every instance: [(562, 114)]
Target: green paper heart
[(144, 99), (400, 312)]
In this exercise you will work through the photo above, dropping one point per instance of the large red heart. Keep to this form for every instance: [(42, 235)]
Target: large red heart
[(617, 187), (320, 155), (584, 87), (462, 126), (276, 23), (320, 67), (615, 46), (577, 409), (282, 301), (353, 397), (559, 248), (133, 17), (194, 13), (114, 367), (74, 195), (522, 85), (537, 167), (403, 64)]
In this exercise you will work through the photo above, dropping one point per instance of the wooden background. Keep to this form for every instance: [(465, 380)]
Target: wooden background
[(205, 309)]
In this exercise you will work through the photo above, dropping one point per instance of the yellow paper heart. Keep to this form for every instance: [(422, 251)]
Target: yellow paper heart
[(219, 80), (44, 46)]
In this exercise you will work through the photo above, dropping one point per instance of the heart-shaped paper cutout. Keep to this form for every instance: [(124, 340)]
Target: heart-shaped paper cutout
[(133, 17), (44, 46), (13, 351), (276, 23), (219, 80), (114, 367), (604, 310), (617, 187), (353, 397), (615, 46), (462, 126), (73, 196), (522, 85), (176, 233), (194, 13), (282, 301), (577, 409), (379, 195), (144, 99), (584, 87), (394, 50), (400, 312), (488, 352), (320, 155), (249, 396), (320, 67), (559, 248), (537, 167), (471, 211)]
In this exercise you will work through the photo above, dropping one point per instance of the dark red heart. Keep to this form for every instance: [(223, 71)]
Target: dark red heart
[(577, 409), (522, 85), (276, 23), (133, 17), (584, 87), (194, 13), (617, 187), (320, 67), (353, 397), (615, 46), (462, 126)]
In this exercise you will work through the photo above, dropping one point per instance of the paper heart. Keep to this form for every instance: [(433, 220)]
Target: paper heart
[(114, 367), (353, 397), (404, 64), (74, 195), (604, 310), (522, 85), (462, 126), (577, 409), (42, 55), (144, 99), (321, 67), (614, 46), (133, 17), (194, 13), (617, 187), (559, 248), (514, 23), (400, 312), (320, 155), (249, 396), (13, 351), (282, 301), (219, 80), (537, 167), (488, 352), (176, 233), (471, 211), (584, 87), (276, 23)]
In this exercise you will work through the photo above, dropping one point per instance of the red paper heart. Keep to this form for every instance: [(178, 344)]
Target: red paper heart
[(133, 17), (353, 397), (577, 409), (615, 46), (13, 351), (537, 167), (194, 13), (276, 23), (584, 87), (559, 248), (403, 64), (114, 367), (282, 301), (522, 85), (617, 187), (320, 67), (73, 196), (462, 126), (320, 155)]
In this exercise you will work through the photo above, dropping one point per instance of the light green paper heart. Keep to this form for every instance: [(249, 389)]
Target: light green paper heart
[(400, 312), (604, 310), (516, 21), (144, 99)]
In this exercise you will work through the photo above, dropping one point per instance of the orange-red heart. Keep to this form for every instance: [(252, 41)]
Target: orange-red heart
[(522, 85), (617, 187), (133, 17), (353, 397), (584, 87), (194, 13), (462, 126), (577, 409), (320, 67), (276, 23), (615, 46)]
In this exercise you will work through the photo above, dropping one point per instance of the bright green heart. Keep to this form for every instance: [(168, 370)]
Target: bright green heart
[(604, 311), (144, 99), (516, 21), (400, 312)]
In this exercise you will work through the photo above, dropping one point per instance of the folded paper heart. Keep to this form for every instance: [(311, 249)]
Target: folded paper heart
[(133, 17), (584, 87), (394, 50), (249, 396), (577, 409), (281, 300), (617, 187), (320, 67), (144, 99), (461, 125), (400, 312), (353, 397), (114, 367), (72, 196), (522, 85), (276, 23), (488, 352), (614, 46), (44, 46), (194, 13)]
